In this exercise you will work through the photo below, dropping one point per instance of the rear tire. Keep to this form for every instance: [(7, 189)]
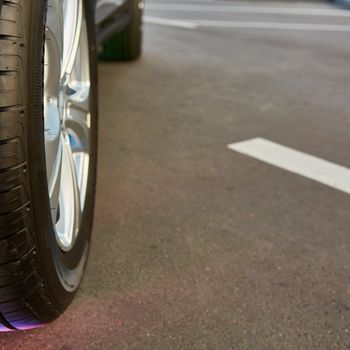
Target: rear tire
[(127, 44), (37, 279)]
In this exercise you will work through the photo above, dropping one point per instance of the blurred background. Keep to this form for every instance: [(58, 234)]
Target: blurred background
[(201, 246)]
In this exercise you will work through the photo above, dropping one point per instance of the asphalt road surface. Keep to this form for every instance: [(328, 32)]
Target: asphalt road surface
[(198, 246)]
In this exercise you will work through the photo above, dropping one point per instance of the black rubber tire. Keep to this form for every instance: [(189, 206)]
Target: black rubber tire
[(127, 44), (37, 280)]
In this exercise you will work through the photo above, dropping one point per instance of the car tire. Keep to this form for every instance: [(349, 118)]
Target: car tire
[(39, 278), (126, 45)]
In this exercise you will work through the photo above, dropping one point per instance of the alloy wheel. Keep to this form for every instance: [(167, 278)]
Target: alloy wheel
[(67, 116)]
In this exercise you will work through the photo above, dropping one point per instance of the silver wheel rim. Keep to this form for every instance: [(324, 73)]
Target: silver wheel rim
[(67, 116)]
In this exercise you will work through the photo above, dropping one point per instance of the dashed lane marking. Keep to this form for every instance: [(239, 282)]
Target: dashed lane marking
[(311, 167)]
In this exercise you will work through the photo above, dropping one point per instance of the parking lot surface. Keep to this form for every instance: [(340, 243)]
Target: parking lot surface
[(199, 246)]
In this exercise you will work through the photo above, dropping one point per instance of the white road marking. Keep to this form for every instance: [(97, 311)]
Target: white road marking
[(343, 28), (193, 24), (302, 11), (311, 167), (170, 22)]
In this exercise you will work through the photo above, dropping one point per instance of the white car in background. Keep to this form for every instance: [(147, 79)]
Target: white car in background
[(48, 145)]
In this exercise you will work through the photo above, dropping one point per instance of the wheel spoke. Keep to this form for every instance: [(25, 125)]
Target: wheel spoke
[(77, 124), (53, 147), (73, 11), (53, 51), (54, 23), (72, 195), (77, 121)]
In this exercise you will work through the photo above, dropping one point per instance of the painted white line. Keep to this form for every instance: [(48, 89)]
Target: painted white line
[(170, 22), (322, 171), (193, 24), (274, 25), (301, 11)]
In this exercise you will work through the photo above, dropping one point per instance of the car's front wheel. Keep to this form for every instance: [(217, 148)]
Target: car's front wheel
[(48, 150)]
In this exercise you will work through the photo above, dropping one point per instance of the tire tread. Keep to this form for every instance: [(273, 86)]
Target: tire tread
[(24, 296)]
